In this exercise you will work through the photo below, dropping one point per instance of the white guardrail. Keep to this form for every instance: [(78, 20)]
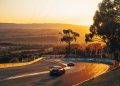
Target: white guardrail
[(8, 65)]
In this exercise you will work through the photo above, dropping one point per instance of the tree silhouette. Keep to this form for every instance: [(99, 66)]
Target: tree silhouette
[(69, 36), (107, 25)]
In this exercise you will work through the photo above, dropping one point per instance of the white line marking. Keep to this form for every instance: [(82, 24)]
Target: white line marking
[(32, 74), (25, 75)]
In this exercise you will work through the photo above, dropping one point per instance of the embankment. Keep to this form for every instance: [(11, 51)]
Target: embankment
[(8, 65)]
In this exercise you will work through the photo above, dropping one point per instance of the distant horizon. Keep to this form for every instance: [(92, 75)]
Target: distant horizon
[(42, 23), (77, 12)]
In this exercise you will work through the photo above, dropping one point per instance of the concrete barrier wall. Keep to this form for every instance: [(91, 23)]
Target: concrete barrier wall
[(8, 65)]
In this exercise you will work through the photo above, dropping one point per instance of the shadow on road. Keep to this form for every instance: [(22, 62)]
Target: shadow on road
[(44, 81)]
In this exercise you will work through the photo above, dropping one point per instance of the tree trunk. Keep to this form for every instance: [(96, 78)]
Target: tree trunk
[(69, 48)]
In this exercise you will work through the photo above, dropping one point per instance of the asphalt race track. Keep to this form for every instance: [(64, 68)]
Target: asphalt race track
[(38, 74)]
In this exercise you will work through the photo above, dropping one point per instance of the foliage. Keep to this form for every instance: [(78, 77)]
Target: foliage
[(107, 24), (69, 36)]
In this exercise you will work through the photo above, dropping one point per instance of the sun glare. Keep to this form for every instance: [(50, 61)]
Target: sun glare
[(48, 11)]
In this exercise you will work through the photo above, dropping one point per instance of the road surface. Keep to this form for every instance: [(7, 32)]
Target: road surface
[(38, 74)]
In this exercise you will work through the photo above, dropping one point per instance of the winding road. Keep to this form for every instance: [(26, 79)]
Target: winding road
[(38, 74)]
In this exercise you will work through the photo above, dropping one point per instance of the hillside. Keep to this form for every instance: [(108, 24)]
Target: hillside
[(38, 33)]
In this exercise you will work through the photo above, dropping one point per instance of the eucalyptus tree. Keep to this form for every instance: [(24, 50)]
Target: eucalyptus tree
[(106, 25), (69, 36)]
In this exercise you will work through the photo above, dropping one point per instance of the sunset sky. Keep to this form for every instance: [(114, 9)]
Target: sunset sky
[(78, 12)]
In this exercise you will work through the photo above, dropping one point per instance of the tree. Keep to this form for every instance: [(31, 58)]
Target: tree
[(69, 36), (106, 25)]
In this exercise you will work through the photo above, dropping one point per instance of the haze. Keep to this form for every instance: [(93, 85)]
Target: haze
[(78, 12)]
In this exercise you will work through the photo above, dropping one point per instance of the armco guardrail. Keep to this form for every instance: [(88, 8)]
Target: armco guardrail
[(96, 60), (8, 65)]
